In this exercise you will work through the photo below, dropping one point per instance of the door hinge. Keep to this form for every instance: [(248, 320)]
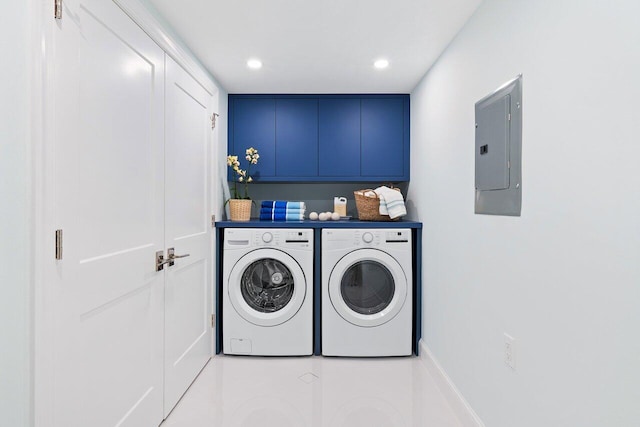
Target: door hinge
[(58, 244), (57, 9), (509, 116), (213, 221), (213, 320), (213, 120)]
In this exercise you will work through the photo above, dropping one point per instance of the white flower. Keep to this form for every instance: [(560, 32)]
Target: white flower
[(242, 175), (231, 160)]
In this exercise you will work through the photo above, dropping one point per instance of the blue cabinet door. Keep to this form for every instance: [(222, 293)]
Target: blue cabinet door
[(382, 138), (339, 136), (254, 121), (297, 137)]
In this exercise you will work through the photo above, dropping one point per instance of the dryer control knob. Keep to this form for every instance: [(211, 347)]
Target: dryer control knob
[(267, 237), (367, 237)]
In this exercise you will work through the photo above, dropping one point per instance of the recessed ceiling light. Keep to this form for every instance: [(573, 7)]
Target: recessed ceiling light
[(254, 64), (381, 63)]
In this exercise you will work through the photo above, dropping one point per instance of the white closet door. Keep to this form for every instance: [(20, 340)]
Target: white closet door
[(108, 300), (188, 295)]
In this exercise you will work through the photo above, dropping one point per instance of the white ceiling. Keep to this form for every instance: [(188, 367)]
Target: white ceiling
[(311, 46)]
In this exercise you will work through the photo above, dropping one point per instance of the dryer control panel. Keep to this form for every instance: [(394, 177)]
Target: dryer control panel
[(397, 236), (365, 238)]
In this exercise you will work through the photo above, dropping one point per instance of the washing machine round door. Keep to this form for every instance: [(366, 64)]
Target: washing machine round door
[(267, 287), (368, 287)]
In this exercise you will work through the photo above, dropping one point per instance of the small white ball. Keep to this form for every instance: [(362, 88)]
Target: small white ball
[(328, 213), (313, 216), (335, 216), (323, 216)]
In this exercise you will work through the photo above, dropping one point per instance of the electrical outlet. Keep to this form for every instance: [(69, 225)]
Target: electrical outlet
[(510, 351)]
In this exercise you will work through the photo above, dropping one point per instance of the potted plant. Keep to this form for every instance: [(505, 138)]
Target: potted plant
[(240, 203)]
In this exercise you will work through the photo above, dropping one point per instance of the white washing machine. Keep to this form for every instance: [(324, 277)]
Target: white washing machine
[(367, 292), (267, 291)]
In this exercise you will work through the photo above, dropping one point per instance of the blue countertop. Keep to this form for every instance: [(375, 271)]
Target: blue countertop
[(353, 223)]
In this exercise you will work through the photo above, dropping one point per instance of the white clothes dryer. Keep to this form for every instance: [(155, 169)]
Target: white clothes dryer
[(367, 292), (267, 291)]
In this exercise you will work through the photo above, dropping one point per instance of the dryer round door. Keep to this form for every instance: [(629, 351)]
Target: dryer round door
[(267, 287), (368, 287)]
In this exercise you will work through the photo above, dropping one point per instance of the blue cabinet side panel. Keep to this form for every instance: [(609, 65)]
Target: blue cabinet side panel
[(417, 283), (339, 133), (382, 142), (406, 146), (218, 290), (296, 137), (254, 126), (317, 294)]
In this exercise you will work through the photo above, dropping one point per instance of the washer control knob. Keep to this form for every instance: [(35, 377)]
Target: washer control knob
[(367, 237), (267, 237)]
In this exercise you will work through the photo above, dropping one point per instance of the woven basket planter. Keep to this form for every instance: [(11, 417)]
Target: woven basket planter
[(240, 209)]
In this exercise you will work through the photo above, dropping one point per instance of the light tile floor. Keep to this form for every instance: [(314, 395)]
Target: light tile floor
[(313, 392)]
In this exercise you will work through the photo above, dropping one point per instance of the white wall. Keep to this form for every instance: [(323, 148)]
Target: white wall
[(221, 152), (564, 278), (15, 362), (220, 149)]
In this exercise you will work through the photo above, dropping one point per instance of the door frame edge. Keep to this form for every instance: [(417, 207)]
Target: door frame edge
[(42, 221)]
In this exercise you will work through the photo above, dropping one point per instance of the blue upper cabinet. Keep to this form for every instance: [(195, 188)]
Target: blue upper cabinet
[(253, 124), (382, 138), (296, 138), (339, 134), (330, 138)]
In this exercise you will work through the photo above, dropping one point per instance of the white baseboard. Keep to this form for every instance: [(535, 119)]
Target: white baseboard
[(459, 405)]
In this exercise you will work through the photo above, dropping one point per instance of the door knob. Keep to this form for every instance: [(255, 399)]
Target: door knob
[(171, 257)]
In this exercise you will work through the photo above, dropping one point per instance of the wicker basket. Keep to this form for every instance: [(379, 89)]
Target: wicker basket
[(240, 209), (369, 206)]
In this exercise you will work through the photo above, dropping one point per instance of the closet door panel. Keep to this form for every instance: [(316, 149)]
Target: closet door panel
[(106, 297), (188, 285)]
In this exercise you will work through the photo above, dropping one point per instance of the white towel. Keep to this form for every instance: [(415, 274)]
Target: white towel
[(391, 202)]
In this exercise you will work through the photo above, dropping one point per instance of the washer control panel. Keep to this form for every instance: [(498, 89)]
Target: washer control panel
[(298, 236), (367, 237), (239, 238), (283, 238), (267, 237)]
